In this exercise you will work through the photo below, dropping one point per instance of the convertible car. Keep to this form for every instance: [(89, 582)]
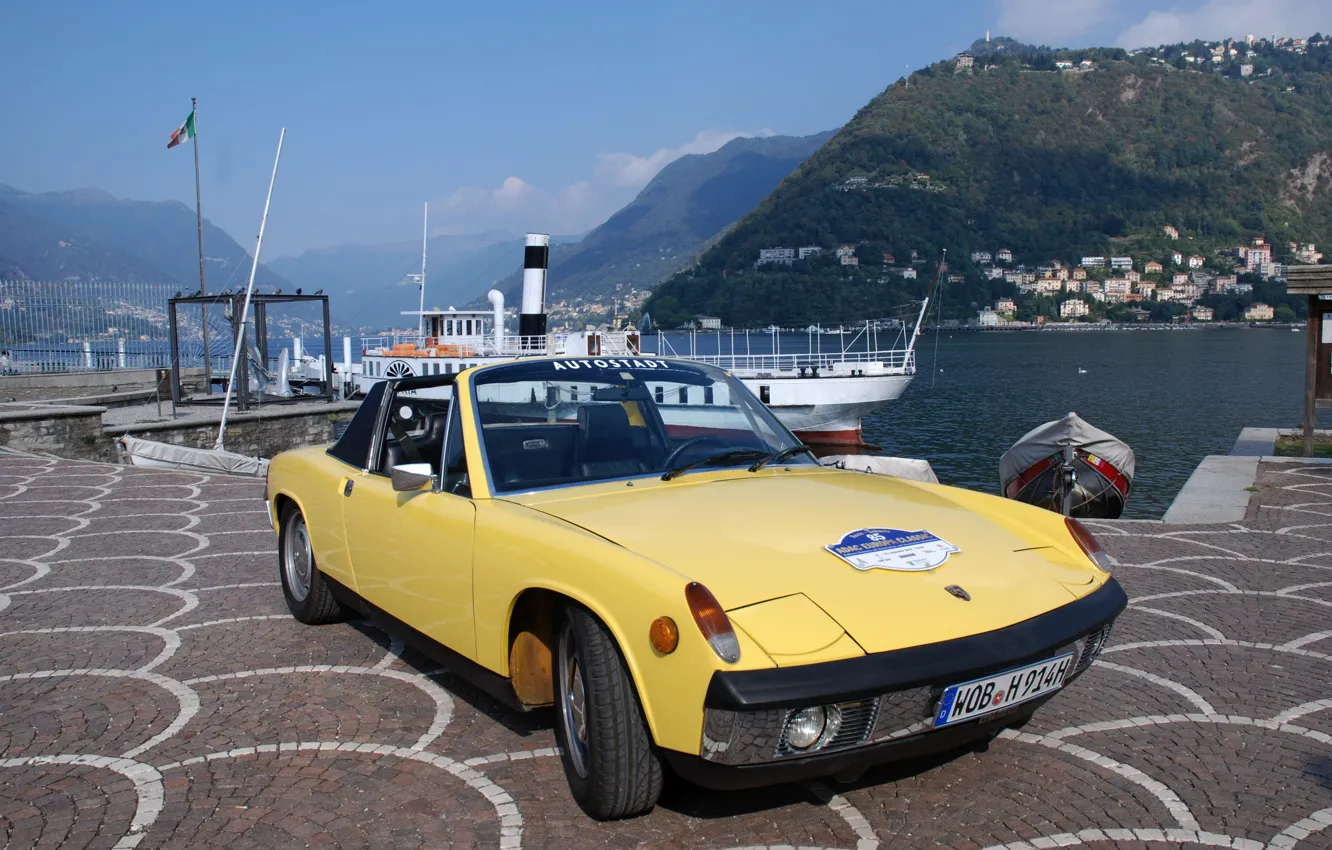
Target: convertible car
[(639, 543)]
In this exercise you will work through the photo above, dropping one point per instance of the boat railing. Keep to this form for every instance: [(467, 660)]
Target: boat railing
[(530, 346), (422, 346), (603, 343), (893, 360)]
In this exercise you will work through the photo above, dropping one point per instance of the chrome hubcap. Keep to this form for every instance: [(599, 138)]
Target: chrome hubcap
[(573, 708), (297, 559)]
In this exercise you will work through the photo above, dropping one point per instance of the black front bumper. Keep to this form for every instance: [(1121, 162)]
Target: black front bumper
[(893, 694), (946, 662), (733, 777)]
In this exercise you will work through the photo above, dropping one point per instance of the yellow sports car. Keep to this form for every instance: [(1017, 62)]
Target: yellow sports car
[(640, 543)]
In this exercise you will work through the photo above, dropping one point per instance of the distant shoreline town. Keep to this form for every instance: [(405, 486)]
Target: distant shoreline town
[(1091, 289)]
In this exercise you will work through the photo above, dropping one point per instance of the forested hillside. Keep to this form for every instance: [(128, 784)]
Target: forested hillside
[(1053, 155)]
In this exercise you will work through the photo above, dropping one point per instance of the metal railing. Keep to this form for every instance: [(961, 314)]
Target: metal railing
[(612, 344), (53, 312), (105, 356), (895, 361)]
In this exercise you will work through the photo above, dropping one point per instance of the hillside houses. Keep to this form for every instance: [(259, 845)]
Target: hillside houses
[(1142, 273)]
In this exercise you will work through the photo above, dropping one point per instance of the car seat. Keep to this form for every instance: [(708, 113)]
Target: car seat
[(606, 445), (429, 445)]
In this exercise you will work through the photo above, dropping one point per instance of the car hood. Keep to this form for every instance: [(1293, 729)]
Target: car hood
[(756, 537)]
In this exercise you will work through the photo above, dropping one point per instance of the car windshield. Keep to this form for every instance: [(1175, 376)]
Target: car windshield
[(550, 423)]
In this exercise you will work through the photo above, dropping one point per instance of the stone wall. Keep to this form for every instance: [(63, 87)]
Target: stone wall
[(74, 432), (258, 434), (78, 432), (85, 383)]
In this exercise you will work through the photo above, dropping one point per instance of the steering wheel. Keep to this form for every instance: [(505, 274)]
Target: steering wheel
[(690, 443)]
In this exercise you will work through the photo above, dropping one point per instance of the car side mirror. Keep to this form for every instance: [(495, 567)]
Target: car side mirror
[(411, 476)]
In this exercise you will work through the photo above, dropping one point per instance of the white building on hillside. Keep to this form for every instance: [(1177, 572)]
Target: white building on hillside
[(1073, 308)]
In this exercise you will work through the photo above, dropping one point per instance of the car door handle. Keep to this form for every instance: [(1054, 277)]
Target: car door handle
[(347, 487)]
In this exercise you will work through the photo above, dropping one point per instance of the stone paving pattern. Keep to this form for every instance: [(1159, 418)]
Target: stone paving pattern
[(154, 692)]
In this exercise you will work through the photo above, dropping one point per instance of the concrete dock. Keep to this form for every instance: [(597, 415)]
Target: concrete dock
[(155, 692)]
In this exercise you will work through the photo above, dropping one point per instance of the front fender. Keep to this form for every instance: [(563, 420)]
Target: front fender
[(518, 549), (314, 481)]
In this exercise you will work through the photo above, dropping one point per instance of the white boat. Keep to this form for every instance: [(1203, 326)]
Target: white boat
[(819, 394), (155, 455)]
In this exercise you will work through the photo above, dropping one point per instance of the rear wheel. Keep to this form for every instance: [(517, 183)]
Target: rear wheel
[(307, 593), (609, 758)]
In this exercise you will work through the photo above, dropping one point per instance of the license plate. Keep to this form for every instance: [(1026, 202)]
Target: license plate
[(979, 697)]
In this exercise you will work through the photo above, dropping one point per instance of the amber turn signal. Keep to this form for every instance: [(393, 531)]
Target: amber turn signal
[(664, 635), (713, 622)]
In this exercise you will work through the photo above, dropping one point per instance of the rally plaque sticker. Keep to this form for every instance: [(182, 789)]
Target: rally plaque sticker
[(892, 549)]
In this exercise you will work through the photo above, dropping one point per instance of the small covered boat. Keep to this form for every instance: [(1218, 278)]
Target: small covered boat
[(1069, 467)]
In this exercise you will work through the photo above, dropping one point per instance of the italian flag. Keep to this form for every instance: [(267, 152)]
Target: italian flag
[(184, 133)]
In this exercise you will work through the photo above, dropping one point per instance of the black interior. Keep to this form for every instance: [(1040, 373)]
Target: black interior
[(533, 455), (429, 446), (608, 446), (600, 443)]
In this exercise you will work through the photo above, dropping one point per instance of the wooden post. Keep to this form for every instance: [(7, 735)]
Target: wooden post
[(328, 354), (1311, 372), (172, 318)]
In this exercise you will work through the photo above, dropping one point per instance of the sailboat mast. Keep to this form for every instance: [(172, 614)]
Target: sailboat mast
[(425, 236), (239, 351), (925, 305)]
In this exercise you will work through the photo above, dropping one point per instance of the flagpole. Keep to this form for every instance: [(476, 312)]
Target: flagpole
[(203, 284)]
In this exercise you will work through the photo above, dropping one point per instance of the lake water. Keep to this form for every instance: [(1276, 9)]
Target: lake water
[(1173, 396)]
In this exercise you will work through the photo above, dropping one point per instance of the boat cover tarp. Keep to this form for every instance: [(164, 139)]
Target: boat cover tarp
[(189, 459), (911, 468), (1041, 442)]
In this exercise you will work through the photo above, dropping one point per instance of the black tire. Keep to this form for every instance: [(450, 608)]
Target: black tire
[(613, 768), (307, 593)]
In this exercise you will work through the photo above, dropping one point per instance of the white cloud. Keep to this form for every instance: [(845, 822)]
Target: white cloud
[(517, 205), (1216, 19), (1052, 22)]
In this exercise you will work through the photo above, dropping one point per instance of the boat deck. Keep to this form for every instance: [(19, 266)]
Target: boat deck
[(153, 689)]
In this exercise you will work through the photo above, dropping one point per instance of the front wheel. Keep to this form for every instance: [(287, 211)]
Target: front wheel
[(609, 758), (307, 593)]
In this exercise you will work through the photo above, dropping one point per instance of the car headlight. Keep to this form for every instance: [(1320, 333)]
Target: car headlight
[(805, 727)]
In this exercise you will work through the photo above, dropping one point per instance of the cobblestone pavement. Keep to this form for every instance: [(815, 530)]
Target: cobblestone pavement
[(154, 692)]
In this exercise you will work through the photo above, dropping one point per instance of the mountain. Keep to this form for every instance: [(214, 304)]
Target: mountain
[(690, 201), (30, 248), (1035, 151), (370, 281), (90, 233)]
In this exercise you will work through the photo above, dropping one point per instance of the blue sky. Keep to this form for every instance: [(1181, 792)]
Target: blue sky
[(508, 116)]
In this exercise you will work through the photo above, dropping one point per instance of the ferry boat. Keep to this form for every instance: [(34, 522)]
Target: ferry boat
[(821, 395)]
